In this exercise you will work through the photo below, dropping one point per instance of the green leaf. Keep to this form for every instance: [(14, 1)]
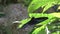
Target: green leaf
[(46, 21), (39, 30), (57, 32), (47, 7), (49, 4), (58, 8), (24, 22), (35, 4), (38, 15), (56, 15)]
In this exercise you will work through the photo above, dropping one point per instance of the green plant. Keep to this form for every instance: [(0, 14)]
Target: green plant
[(44, 23), (46, 4)]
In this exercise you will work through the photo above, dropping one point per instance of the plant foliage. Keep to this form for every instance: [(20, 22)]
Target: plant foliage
[(46, 4)]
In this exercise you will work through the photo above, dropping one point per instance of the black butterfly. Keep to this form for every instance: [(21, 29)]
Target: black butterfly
[(34, 21)]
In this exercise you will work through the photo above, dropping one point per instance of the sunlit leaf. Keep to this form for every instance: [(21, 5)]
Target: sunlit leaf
[(56, 15), (47, 7), (24, 22), (37, 30), (57, 32), (37, 15), (35, 4), (47, 21), (44, 23), (59, 8)]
